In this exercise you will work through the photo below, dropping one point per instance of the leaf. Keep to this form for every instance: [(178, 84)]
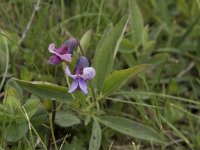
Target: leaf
[(2, 60), (25, 74), (11, 90), (105, 55), (106, 33), (75, 144), (145, 35), (17, 89), (158, 59), (131, 128), (40, 116), (198, 3), (15, 131), (137, 22), (86, 40), (12, 105), (31, 106), (129, 59), (118, 78), (66, 119), (95, 140), (46, 90), (5, 63), (4, 117), (126, 46), (87, 120)]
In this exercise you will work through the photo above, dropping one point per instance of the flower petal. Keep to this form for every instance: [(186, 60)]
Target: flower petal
[(54, 59), (68, 72), (52, 48), (71, 44), (60, 52), (73, 86), (83, 85), (66, 57), (81, 63), (88, 73)]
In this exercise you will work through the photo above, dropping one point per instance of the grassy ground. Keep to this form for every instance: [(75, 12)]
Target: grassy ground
[(163, 97)]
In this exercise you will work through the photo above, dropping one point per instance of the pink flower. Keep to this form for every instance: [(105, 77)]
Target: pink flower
[(63, 53)]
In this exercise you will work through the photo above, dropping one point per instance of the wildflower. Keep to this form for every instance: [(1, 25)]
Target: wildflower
[(63, 53), (82, 73)]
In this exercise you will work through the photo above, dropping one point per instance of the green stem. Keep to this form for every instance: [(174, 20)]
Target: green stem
[(95, 100), (92, 91), (7, 63), (81, 49), (52, 121), (188, 31)]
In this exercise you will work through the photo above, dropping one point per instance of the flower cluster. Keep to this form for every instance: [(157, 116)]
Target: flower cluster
[(63, 53), (82, 71)]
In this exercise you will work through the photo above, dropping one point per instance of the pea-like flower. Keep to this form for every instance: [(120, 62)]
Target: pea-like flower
[(82, 73), (63, 53)]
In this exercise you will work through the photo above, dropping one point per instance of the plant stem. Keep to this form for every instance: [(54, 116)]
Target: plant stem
[(6, 63), (52, 125), (28, 26), (81, 49)]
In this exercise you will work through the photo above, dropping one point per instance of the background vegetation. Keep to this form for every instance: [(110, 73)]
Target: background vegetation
[(157, 109)]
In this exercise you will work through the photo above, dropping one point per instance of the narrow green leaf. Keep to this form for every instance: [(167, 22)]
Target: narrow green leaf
[(188, 30), (145, 35), (86, 40), (198, 3), (6, 63), (131, 128), (137, 22), (178, 133), (147, 95), (87, 120), (25, 74), (105, 55), (158, 59), (46, 90), (95, 140), (126, 46), (118, 78), (129, 59), (66, 119), (104, 36)]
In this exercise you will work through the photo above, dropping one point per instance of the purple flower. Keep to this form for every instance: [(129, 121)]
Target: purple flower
[(63, 53), (82, 73)]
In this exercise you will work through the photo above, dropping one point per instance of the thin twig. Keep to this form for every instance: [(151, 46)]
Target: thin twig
[(6, 63), (81, 49), (36, 8), (1, 95), (53, 112), (191, 65)]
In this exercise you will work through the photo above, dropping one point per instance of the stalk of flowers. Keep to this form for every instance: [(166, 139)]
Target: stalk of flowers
[(64, 52), (82, 72)]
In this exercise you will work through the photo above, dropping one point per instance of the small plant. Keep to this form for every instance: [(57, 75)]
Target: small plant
[(87, 88), (99, 75)]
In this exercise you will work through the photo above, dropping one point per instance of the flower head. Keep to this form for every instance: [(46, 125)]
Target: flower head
[(63, 53), (82, 73)]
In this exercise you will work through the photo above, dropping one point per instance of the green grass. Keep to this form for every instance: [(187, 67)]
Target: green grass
[(163, 98)]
